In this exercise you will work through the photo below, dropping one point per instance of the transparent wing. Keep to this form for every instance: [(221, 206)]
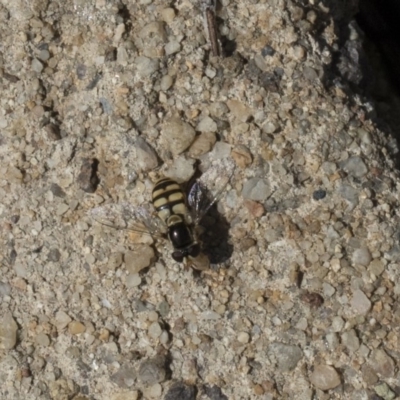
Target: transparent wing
[(209, 188), (127, 216)]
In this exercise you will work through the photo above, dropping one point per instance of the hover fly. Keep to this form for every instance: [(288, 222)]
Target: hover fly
[(172, 214)]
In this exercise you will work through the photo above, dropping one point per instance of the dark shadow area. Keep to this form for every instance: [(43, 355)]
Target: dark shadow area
[(215, 235), (365, 58), (215, 238), (380, 22)]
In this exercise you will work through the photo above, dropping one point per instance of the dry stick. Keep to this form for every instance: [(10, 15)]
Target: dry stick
[(210, 22)]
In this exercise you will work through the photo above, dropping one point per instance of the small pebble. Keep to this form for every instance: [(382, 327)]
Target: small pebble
[(36, 65), (154, 391), (313, 299), (351, 341), (181, 170), (221, 150), (62, 208), (62, 319), (57, 190), (131, 395), (376, 267), (155, 330), (5, 289), (319, 194), (286, 356), (243, 337), (146, 66), (381, 363), (42, 339), (125, 376), (202, 144), (207, 125), (242, 156), (133, 280), (76, 327), (54, 255), (337, 324), (146, 157), (256, 189), (360, 302), (172, 47), (383, 390), (325, 377), (267, 51), (141, 257), (167, 15), (166, 82), (115, 261), (8, 332), (354, 166), (152, 371), (255, 209), (361, 256), (214, 393), (177, 135), (239, 110), (181, 391), (53, 132)]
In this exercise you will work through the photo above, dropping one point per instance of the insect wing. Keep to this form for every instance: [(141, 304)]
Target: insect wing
[(209, 188), (127, 216)]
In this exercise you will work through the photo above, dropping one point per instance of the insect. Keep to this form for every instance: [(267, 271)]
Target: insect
[(171, 214)]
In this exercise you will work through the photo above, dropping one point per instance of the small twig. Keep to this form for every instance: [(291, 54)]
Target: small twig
[(209, 7)]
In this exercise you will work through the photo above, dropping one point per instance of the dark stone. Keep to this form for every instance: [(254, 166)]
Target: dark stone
[(267, 51), (214, 393), (57, 190), (319, 194), (181, 391), (87, 178), (54, 255)]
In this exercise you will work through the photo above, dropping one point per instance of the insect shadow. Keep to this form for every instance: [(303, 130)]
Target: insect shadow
[(215, 239), (214, 236)]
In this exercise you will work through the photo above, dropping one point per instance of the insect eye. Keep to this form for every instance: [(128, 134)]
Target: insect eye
[(177, 256), (195, 250)]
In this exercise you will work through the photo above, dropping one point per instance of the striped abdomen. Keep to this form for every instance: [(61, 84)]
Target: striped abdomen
[(169, 200)]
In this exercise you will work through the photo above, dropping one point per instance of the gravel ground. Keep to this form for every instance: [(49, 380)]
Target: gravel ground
[(101, 97)]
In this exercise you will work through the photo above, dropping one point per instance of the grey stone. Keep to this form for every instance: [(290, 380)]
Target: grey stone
[(125, 377), (360, 302), (54, 255), (37, 66), (354, 166), (146, 157), (350, 340), (181, 170), (8, 332), (152, 371), (146, 66), (286, 356), (5, 289), (349, 193), (382, 363), (177, 135), (206, 124), (256, 189), (361, 256), (172, 47), (181, 391)]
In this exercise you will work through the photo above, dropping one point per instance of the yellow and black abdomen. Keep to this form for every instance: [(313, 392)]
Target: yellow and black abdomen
[(169, 200)]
